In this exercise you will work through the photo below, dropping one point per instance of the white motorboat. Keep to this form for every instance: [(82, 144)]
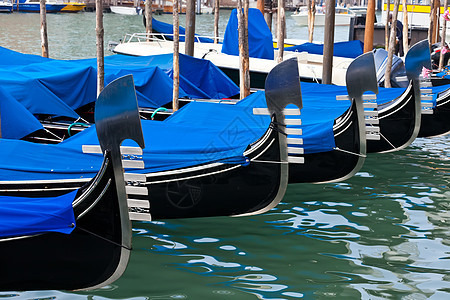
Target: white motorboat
[(343, 16), (126, 10), (6, 6), (310, 65)]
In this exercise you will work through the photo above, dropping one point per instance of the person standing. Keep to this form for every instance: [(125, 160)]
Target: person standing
[(398, 36)]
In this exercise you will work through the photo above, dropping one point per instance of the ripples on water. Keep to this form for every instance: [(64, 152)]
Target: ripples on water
[(382, 234)]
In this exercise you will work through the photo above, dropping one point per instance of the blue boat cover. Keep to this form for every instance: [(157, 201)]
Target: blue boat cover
[(180, 141), (16, 121), (60, 87), (166, 28), (27, 216), (350, 49), (260, 44), (13, 58), (198, 133)]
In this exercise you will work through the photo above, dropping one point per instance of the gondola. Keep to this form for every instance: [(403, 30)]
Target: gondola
[(399, 119), (436, 119), (207, 185), (82, 239), (348, 154), (349, 130)]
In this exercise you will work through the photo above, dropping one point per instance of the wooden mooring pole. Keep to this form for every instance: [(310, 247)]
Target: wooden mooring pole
[(268, 6), (260, 6), (311, 19), (281, 26), (328, 42), (444, 32), (176, 56), (216, 21), (386, 26), (431, 28), (405, 27), (100, 46), (437, 7), (244, 62), (44, 39), (148, 17), (370, 21), (190, 27), (393, 36)]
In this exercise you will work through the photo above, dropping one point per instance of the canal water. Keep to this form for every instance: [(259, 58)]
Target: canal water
[(383, 234)]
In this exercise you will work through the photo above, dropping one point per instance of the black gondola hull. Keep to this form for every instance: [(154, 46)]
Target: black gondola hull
[(398, 123), (332, 165), (214, 189), (437, 123), (88, 257)]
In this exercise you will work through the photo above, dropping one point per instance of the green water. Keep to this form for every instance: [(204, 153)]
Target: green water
[(383, 234)]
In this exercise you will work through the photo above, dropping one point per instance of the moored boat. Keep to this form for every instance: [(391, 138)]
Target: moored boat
[(82, 238), (51, 6), (435, 119), (126, 10), (203, 171), (342, 16), (6, 6)]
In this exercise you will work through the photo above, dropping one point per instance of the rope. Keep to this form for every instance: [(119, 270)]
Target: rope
[(349, 152), (393, 147), (275, 127), (103, 238), (269, 161)]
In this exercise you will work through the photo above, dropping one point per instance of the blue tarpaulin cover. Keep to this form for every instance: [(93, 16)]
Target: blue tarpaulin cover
[(350, 49), (260, 42), (179, 141), (26, 216), (16, 121), (166, 28), (62, 86)]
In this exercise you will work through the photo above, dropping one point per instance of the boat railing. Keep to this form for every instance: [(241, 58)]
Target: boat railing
[(162, 37)]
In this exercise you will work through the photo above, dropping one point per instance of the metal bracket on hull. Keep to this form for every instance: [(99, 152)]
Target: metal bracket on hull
[(139, 210), (279, 94), (417, 58), (370, 115), (426, 98)]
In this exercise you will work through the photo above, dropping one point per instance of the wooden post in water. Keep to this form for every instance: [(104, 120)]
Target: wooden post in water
[(444, 32), (176, 55), (393, 35), (268, 13), (328, 42), (431, 28), (437, 8), (244, 63), (190, 27), (216, 21), (281, 25), (370, 21), (311, 19), (100, 48), (405, 27), (44, 39), (260, 5), (386, 26), (148, 17)]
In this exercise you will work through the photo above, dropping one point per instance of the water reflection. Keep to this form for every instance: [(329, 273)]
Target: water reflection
[(382, 234)]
